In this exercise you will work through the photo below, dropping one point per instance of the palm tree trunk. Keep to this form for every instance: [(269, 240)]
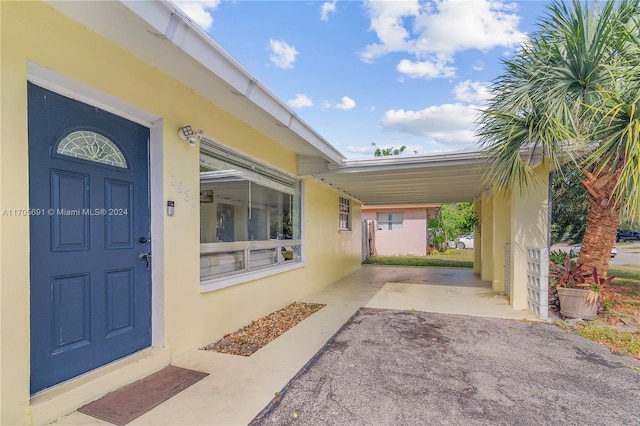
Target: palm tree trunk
[(603, 219)]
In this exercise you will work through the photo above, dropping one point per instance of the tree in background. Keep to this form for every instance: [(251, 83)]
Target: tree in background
[(569, 206), (570, 203), (572, 92), (385, 152), (452, 221), (627, 224)]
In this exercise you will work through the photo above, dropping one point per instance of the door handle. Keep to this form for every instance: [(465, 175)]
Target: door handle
[(146, 256)]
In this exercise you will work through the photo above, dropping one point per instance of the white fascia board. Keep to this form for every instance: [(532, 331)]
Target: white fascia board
[(302, 129), (375, 207), (413, 161), (169, 21)]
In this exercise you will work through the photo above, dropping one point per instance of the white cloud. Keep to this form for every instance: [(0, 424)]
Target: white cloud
[(387, 20), (300, 101), (440, 29), (282, 55), (425, 69), (326, 9), (455, 25), (472, 91), (450, 124), (199, 11), (346, 104)]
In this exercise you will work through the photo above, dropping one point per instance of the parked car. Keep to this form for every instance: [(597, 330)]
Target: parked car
[(575, 250), (625, 236), (465, 241)]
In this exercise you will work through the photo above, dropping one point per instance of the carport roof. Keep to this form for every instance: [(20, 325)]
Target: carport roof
[(417, 179)]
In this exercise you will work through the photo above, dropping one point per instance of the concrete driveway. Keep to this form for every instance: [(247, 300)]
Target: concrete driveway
[(393, 367)]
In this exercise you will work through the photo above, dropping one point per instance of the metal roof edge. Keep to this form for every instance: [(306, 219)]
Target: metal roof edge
[(400, 206), (417, 160), (242, 80)]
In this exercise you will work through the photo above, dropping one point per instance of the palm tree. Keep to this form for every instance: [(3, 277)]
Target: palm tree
[(572, 93)]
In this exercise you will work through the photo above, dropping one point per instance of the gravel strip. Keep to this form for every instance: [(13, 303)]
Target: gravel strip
[(259, 333)]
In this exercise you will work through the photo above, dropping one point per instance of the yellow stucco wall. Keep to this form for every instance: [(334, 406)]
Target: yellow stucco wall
[(501, 236), (518, 219), (477, 237), (33, 31), (529, 228), (486, 245)]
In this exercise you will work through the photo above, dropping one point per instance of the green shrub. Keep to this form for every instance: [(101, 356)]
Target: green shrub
[(558, 256)]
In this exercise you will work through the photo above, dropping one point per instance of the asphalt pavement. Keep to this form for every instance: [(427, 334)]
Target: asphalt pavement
[(392, 367), (628, 255)]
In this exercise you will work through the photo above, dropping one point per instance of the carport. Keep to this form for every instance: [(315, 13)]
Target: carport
[(512, 253)]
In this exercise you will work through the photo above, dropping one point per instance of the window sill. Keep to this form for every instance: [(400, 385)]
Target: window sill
[(244, 277), (345, 231)]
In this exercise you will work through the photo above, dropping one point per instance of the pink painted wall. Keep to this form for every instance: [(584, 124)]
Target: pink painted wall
[(412, 240)]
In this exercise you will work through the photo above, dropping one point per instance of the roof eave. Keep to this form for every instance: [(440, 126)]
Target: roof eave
[(194, 59)]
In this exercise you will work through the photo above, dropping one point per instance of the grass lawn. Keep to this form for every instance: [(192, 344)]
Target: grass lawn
[(621, 301), (449, 259)]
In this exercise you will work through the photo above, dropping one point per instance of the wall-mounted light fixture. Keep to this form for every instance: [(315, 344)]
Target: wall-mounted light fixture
[(187, 134)]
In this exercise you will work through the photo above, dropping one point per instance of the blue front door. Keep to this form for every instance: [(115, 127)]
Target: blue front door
[(90, 237)]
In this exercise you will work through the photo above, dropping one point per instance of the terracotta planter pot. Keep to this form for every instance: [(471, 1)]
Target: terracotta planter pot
[(575, 303)]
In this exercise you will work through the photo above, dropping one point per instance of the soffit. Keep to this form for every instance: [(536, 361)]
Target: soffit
[(420, 179)]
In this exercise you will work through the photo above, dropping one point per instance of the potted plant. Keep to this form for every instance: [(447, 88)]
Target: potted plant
[(578, 291)]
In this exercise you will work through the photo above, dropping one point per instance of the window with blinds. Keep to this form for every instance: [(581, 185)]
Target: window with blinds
[(250, 214)]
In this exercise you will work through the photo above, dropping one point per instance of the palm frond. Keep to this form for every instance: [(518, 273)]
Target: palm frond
[(572, 86), (616, 128)]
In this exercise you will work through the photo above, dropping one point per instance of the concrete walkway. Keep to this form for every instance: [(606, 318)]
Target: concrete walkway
[(238, 388)]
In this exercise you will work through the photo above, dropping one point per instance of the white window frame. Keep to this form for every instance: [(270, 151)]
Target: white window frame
[(263, 174), (394, 221), (344, 213)]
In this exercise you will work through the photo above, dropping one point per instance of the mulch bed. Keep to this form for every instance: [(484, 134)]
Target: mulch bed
[(259, 333)]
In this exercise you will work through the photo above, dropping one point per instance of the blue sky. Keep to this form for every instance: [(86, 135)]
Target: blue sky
[(394, 73)]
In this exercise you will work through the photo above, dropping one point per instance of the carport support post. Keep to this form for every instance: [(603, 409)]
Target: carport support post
[(486, 271), (529, 228), (477, 252), (501, 236)]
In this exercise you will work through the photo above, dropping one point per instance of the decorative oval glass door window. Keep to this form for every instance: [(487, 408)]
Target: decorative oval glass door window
[(92, 146)]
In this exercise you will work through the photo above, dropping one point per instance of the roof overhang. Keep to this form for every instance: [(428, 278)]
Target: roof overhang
[(160, 34), (416, 179)]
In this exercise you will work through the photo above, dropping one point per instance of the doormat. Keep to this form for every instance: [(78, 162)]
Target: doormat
[(133, 400)]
